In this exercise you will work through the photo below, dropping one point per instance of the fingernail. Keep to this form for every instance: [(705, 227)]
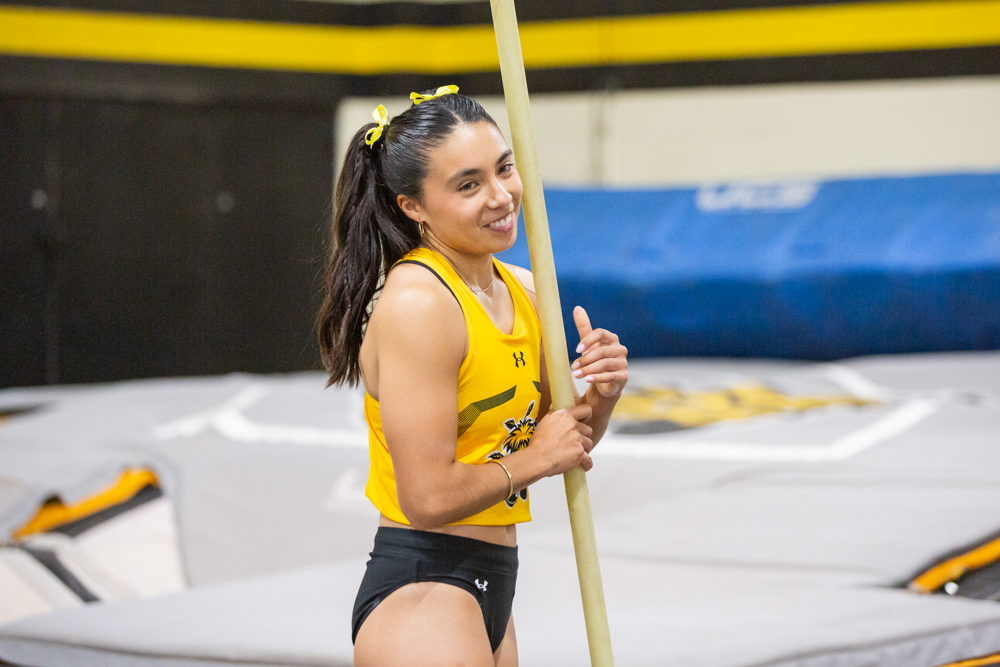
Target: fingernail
[(579, 348), (589, 378), (576, 364), (577, 374)]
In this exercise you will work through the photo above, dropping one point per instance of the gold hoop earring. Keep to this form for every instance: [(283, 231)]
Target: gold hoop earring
[(420, 224)]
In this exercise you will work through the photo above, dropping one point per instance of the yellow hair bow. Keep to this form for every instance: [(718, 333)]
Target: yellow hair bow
[(382, 118), (417, 98)]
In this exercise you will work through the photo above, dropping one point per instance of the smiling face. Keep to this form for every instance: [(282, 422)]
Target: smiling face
[(472, 193)]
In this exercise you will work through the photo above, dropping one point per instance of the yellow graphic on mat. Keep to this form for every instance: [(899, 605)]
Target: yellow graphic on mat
[(665, 409), (984, 661), (55, 513), (956, 567)]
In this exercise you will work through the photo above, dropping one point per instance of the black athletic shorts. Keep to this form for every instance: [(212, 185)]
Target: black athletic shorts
[(402, 556)]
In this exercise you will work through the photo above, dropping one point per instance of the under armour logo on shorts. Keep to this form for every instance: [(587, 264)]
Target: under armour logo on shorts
[(481, 586)]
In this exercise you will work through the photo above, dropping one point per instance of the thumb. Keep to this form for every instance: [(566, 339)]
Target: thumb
[(581, 412), (582, 321)]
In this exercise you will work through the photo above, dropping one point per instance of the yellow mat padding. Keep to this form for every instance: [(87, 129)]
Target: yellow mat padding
[(54, 513), (976, 662), (953, 568)]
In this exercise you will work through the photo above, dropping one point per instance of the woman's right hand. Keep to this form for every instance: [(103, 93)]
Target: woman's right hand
[(563, 439)]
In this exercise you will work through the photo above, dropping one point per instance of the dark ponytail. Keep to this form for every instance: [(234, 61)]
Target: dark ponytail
[(370, 232)]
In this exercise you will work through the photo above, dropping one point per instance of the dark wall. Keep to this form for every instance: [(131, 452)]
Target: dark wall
[(151, 240), (24, 238)]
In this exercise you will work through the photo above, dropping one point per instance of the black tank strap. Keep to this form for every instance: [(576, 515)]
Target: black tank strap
[(436, 275)]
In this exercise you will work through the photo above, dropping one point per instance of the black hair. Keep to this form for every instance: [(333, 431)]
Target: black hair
[(370, 232)]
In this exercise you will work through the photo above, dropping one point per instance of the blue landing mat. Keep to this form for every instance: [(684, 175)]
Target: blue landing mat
[(802, 270)]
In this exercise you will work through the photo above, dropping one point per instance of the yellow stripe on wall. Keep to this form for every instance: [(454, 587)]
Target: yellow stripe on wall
[(246, 44), (849, 28), (787, 31)]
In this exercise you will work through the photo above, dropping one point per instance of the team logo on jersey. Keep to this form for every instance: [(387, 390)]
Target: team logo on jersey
[(519, 432)]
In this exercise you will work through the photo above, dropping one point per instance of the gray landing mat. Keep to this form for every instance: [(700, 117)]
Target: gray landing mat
[(773, 523), (918, 477), (250, 498), (295, 618), (660, 614)]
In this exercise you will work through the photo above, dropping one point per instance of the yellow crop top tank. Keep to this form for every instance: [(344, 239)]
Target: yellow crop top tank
[(498, 395)]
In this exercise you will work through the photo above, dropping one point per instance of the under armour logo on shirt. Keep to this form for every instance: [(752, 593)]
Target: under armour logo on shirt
[(481, 586)]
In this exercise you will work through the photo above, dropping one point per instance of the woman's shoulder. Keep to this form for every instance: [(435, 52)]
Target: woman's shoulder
[(417, 317), (410, 289)]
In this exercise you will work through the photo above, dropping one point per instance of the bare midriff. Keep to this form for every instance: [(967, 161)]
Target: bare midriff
[(503, 535)]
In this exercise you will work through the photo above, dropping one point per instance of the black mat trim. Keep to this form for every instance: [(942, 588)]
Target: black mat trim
[(979, 584), (74, 528), (51, 562), (7, 413)]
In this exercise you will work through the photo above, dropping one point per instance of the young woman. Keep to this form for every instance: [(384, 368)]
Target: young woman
[(456, 389)]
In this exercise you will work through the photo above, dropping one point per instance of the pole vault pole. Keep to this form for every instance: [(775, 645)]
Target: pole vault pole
[(515, 88)]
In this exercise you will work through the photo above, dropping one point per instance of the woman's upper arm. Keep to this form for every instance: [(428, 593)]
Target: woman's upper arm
[(420, 342)]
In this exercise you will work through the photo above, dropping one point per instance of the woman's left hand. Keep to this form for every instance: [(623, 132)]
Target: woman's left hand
[(603, 360)]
